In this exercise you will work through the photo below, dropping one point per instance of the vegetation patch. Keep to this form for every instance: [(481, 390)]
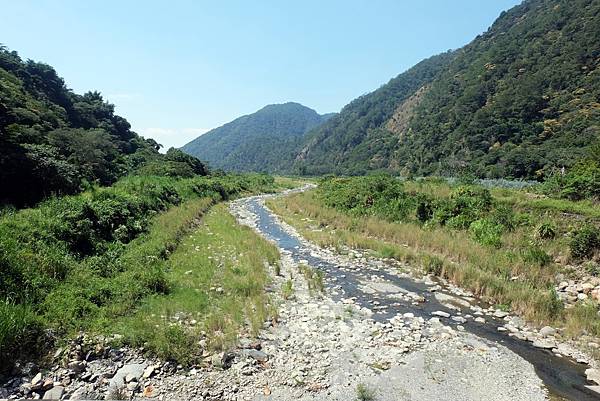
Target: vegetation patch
[(93, 257), (507, 255), (217, 280)]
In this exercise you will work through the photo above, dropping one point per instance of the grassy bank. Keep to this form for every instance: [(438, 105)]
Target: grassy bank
[(82, 261), (217, 279), (517, 269)]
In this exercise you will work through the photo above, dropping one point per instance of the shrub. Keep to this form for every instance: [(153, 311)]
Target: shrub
[(546, 230), (432, 265), (486, 232), (424, 210), (504, 216), (585, 242), (535, 255)]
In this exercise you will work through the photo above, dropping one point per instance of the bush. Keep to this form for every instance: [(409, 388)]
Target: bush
[(546, 230), (504, 216), (486, 232), (585, 242), (424, 210), (535, 255), (433, 265)]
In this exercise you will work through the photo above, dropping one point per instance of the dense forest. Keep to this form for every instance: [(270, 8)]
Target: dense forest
[(522, 100), (54, 141), (261, 141)]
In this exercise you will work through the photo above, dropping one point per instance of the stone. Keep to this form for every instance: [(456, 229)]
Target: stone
[(55, 393), (582, 296), (479, 319), (37, 379), (593, 375), (77, 366), (131, 371), (255, 354), (459, 319), (148, 372), (500, 314), (547, 331), (544, 344), (149, 392), (441, 313)]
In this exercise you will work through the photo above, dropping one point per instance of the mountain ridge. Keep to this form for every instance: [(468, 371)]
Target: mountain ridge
[(240, 144)]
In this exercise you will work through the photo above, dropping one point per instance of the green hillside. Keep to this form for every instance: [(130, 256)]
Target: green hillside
[(57, 142), (521, 100), (262, 141)]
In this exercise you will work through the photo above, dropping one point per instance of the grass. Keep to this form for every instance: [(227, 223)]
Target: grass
[(488, 271), (94, 257), (217, 279), (314, 279), (287, 289), (364, 393)]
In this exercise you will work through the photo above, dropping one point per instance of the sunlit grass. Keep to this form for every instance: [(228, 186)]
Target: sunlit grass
[(217, 279)]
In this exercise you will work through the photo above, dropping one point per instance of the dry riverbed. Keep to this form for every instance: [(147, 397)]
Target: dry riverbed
[(328, 345)]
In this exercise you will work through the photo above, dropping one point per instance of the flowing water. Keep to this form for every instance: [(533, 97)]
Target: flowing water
[(563, 377)]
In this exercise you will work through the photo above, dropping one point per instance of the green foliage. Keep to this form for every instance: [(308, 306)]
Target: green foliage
[(585, 242), (432, 264), (519, 101), (56, 142), (95, 255), (486, 232), (535, 255), (546, 230), (378, 195), (580, 182), (287, 289), (465, 205), (242, 144)]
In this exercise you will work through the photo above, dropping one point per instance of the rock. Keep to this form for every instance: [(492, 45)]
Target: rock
[(148, 372), (37, 379), (130, 371), (459, 319), (47, 385), (441, 313), (55, 393), (582, 296), (587, 287), (593, 375), (255, 354), (130, 378), (547, 331), (500, 314), (77, 366), (479, 319), (544, 344)]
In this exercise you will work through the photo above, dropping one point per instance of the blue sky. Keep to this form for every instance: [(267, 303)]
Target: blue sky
[(177, 68)]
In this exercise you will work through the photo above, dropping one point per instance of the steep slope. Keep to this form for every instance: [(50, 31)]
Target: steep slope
[(519, 101), (264, 140), (54, 141), (356, 140)]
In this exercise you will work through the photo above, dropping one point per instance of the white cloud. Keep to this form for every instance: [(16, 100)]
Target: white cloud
[(172, 137)]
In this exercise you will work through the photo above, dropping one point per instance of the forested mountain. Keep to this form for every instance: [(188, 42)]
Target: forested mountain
[(519, 101), (54, 141), (356, 140), (262, 141)]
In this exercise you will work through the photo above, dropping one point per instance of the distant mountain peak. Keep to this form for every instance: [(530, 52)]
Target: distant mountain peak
[(253, 141)]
